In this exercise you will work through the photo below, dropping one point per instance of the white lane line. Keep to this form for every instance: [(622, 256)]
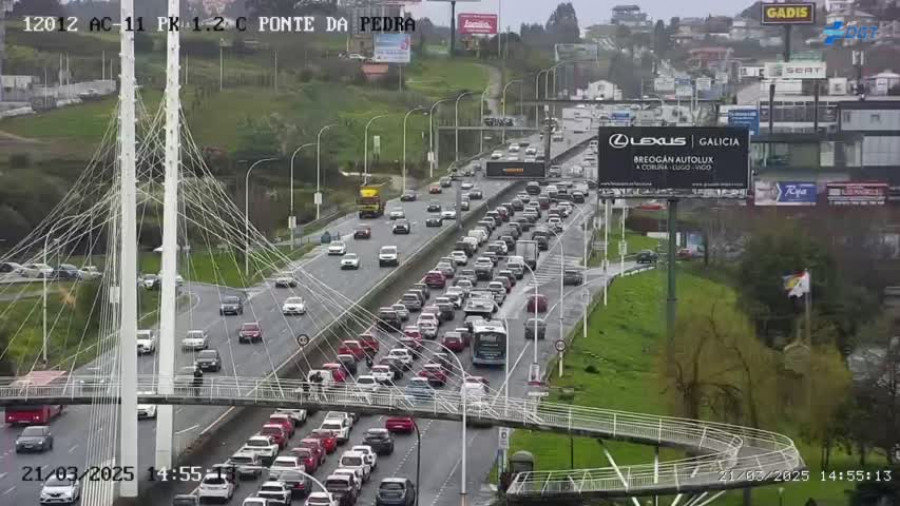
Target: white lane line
[(186, 430), (450, 474), (72, 449), (3, 475), (10, 489), (178, 409)]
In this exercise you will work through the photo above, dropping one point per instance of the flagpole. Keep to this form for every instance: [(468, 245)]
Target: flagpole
[(808, 308)]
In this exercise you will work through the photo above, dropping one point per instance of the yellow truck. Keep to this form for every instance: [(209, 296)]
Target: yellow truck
[(370, 204)]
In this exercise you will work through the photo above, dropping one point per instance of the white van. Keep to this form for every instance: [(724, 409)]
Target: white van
[(479, 235), (473, 241)]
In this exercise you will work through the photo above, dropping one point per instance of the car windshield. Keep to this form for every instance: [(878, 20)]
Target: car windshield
[(195, 334), (294, 300), (230, 300), (214, 479), (258, 443), (33, 431), (242, 459), (55, 481), (207, 354), (352, 461), (365, 380), (332, 426), (388, 249), (250, 326), (350, 256), (271, 488)]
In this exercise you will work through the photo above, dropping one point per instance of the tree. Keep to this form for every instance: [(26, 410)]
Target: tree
[(661, 39), (879, 394), (563, 25)]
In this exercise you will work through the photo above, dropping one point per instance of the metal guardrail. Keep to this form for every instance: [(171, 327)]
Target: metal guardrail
[(728, 456)]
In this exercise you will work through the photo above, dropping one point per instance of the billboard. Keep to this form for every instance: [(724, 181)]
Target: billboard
[(784, 193), (683, 87), (745, 118), (477, 24), (704, 83), (796, 70), (566, 52), (530, 170), (857, 194), (791, 13), (392, 48), (676, 158), (664, 84)]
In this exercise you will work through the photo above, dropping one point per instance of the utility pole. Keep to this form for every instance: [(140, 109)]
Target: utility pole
[(671, 299)]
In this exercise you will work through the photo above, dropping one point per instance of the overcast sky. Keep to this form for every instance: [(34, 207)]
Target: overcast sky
[(516, 12)]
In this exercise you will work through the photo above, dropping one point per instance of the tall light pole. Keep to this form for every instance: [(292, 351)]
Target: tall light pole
[(247, 214), (535, 282), (292, 220), (537, 107), (366, 148), (318, 196), (406, 117), (481, 131), (503, 105), (456, 122), (434, 152)]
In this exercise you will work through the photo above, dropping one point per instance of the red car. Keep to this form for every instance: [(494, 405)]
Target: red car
[(538, 300), (504, 214), (308, 456), (435, 279), (316, 447), (250, 332), (411, 343), (362, 232), (435, 374), (337, 371), (328, 439), (453, 341), (478, 379), (434, 189), (283, 421), (399, 424), (369, 343), (276, 432), (413, 332), (352, 347)]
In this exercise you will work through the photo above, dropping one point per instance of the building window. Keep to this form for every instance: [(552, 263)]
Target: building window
[(847, 117), (875, 118)]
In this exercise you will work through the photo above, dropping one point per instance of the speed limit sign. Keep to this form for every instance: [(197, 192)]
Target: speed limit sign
[(560, 345), (302, 340)]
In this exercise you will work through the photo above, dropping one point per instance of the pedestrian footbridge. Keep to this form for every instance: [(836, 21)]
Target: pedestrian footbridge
[(722, 456)]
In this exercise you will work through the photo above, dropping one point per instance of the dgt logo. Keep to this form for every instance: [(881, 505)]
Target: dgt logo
[(837, 31), (620, 141)]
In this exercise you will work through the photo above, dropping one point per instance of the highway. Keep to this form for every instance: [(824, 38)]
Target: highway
[(441, 452), (245, 360)]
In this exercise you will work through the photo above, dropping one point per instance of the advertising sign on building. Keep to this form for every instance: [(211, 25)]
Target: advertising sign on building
[(664, 84), (796, 70), (683, 87), (704, 83), (857, 194), (744, 118), (477, 24), (567, 52), (837, 86), (392, 48), (750, 71), (677, 158), (791, 13), (784, 193), (530, 170)]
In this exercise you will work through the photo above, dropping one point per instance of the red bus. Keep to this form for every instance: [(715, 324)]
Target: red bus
[(37, 414)]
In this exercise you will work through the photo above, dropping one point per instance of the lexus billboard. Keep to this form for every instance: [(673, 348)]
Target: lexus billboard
[(530, 170), (674, 158)]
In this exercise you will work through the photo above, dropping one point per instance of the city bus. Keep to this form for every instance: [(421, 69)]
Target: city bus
[(489, 343), (37, 414)]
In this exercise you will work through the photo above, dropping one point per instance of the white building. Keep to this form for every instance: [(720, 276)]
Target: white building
[(603, 90)]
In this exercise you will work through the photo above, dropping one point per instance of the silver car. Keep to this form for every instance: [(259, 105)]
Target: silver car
[(61, 490), (195, 340)]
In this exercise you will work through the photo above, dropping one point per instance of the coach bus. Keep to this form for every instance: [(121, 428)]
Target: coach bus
[(35, 414), (489, 343)]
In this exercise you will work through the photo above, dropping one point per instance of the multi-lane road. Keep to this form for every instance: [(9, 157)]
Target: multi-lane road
[(71, 429)]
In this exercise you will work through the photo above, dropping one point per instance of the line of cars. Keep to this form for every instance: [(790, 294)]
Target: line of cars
[(39, 270)]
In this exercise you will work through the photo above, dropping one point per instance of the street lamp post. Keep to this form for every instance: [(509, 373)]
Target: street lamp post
[(537, 108), (418, 459), (503, 105), (434, 153), (247, 214), (292, 221), (318, 196), (461, 95), (481, 131), (366, 148), (406, 117), (534, 279)]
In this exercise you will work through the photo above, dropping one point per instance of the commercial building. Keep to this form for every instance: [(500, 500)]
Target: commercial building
[(632, 17)]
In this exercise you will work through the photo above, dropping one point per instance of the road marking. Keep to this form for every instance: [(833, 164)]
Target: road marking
[(178, 409), (451, 473), (10, 489), (3, 475), (186, 430), (72, 449)]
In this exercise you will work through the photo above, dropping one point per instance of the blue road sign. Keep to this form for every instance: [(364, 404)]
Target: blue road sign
[(748, 118)]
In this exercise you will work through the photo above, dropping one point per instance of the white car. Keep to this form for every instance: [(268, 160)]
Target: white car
[(146, 411), (403, 355), (37, 271), (276, 492), (512, 158), (337, 248), (297, 415), (371, 456), (178, 279), (428, 318), (449, 214), (382, 374), (356, 460), (460, 257), (146, 341), (287, 463), (340, 429), (368, 382), (388, 255), (248, 464), (350, 261), (428, 329), (262, 446), (356, 473), (215, 486), (88, 272), (195, 340), (293, 306), (397, 214), (531, 151), (496, 155), (65, 490), (339, 416), (513, 148), (285, 280), (257, 501), (321, 499)]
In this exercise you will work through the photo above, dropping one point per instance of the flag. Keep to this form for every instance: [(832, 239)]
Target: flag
[(797, 285)]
